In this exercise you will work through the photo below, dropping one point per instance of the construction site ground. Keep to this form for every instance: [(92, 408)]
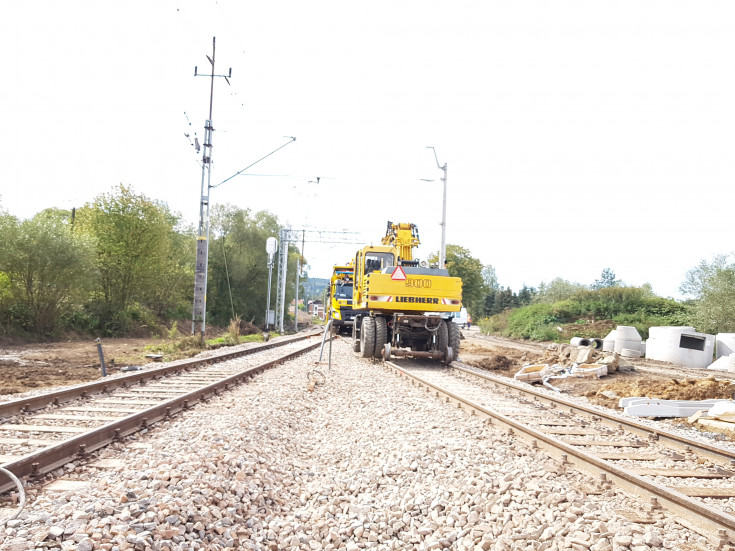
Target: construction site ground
[(647, 378), (25, 367)]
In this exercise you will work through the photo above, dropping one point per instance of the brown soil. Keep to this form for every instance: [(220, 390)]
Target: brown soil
[(646, 378), (32, 366)]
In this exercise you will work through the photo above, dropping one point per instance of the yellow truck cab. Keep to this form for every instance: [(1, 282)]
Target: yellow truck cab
[(341, 311)]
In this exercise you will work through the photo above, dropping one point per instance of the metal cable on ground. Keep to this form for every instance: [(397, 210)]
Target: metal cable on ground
[(315, 378), (21, 491)]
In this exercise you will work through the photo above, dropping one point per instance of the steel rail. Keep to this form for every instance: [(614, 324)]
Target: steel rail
[(675, 441), (714, 524), (46, 460), (32, 403)]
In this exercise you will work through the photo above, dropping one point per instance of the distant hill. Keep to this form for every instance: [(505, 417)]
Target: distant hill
[(314, 287)]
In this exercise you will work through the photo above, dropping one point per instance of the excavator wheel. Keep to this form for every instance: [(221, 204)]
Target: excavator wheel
[(355, 340), (367, 337), (453, 332), (442, 338), (381, 335)]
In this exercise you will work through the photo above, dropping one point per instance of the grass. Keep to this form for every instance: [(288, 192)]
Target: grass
[(186, 347), (581, 315)]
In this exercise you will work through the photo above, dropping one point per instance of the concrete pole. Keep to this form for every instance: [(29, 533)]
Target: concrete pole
[(443, 251), (296, 302), (443, 248)]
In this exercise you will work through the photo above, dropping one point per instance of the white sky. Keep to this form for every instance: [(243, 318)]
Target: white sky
[(579, 135)]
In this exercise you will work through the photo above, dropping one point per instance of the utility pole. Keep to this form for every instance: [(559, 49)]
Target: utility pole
[(199, 312), (299, 267), (443, 249), (282, 271)]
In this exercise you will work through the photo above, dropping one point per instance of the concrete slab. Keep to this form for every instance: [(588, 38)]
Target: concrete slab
[(652, 407)]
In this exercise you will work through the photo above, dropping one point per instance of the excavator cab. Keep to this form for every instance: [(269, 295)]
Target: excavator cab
[(376, 261)]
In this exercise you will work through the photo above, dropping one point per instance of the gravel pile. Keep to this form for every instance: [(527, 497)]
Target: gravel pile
[(364, 461)]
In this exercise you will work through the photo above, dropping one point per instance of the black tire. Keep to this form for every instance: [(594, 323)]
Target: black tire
[(367, 337), (442, 338), (454, 337), (355, 340), (381, 335)]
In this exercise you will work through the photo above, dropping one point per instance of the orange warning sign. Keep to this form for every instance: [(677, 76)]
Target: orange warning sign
[(398, 274)]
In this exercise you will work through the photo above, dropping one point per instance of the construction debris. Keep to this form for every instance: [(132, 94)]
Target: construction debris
[(720, 426), (723, 410), (719, 418), (541, 373), (532, 373), (724, 363), (585, 355), (654, 407), (589, 371)]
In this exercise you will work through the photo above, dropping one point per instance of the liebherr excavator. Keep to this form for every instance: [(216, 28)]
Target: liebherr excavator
[(404, 307)]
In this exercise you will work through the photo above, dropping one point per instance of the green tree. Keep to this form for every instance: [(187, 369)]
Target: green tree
[(712, 286), (238, 265), (607, 279), (461, 263), (558, 289), (505, 299), (490, 278), (139, 257), (526, 295), (48, 270)]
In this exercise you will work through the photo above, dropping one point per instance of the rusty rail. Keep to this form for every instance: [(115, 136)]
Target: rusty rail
[(32, 403), (716, 525), (55, 456)]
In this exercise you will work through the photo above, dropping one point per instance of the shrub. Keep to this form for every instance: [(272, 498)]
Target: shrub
[(623, 305)]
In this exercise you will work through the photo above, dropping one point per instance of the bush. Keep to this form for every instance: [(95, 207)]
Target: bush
[(623, 305), (232, 335)]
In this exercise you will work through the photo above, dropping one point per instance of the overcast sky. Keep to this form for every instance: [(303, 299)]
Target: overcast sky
[(578, 135)]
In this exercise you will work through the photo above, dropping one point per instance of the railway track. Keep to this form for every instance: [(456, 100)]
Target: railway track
[(44, 432), (663, 468)]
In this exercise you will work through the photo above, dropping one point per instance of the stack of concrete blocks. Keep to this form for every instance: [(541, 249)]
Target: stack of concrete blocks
[(628, 342), (608, 343), (680, 346)]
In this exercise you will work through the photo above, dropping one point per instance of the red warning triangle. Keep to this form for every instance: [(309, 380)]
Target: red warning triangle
[(398, 274)]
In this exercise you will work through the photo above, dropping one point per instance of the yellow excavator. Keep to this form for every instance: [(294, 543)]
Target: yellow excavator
[(402, 306), (340, 297)]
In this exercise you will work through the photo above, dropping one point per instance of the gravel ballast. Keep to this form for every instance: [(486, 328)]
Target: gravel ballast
[(364, 461)]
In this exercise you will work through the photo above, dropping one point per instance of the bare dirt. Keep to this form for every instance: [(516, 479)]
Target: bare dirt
[(643, 378), (31, 366)]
